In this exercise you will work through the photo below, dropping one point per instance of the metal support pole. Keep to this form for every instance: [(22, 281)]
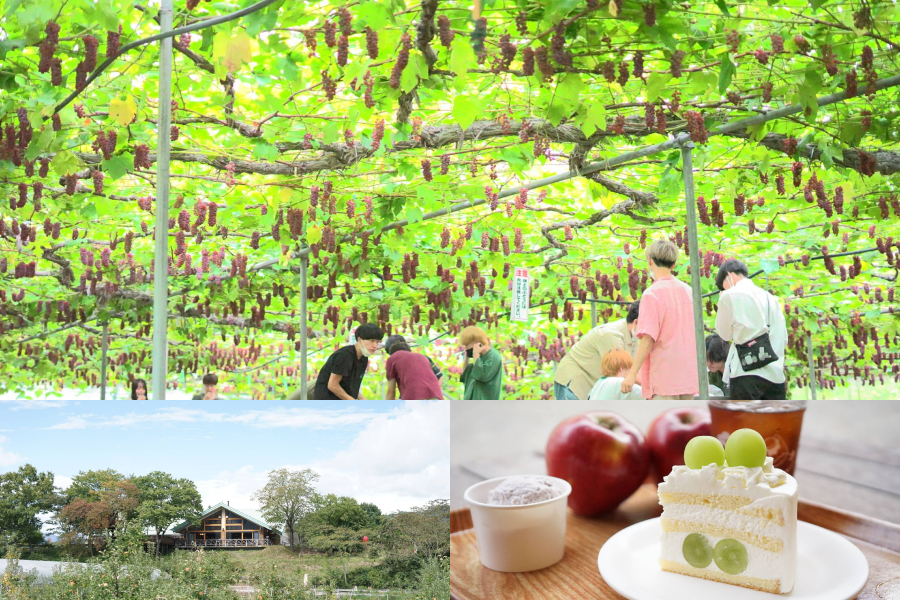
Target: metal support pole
[(103, 361), (812, 365), (161, 231), (593, 314), (693, 248), (304, 316)]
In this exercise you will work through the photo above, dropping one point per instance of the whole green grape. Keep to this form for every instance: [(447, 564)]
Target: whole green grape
[(703, 450), (745, 448)]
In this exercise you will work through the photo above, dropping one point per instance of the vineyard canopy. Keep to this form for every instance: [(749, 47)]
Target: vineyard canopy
[(378, 138)]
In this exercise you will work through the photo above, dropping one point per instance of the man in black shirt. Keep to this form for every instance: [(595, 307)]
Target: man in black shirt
[(342, 374)]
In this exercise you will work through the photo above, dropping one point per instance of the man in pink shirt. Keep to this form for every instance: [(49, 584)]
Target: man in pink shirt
[(666, 358)]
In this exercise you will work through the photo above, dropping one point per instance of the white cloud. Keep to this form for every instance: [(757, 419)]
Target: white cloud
[(309, 418), (62, 482), (399, 460), (30, 404), (7, 457), (232, 486)]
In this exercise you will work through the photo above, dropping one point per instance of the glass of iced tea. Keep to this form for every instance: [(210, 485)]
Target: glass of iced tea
[(778, 421)]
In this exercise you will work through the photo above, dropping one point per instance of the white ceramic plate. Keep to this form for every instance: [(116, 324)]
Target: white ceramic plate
[(828, 568)]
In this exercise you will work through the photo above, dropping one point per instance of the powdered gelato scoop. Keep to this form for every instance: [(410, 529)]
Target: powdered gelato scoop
[(519, 491)]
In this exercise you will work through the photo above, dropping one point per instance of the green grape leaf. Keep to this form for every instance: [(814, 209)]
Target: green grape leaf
[(726, 73), (461, 56), (119, 165), (655, 84), (769, 265), (465, 109), (413, 213)]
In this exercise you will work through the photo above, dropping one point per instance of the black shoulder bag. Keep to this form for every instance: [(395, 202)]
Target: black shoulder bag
[(758, 352)]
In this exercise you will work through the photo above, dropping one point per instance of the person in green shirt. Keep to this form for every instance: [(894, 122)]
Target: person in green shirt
[(482, 374)]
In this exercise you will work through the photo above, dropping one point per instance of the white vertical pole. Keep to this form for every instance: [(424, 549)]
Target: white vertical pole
[(161, 265), (593, 314), (693, 246), (103, 360), (812, 365), (304, 264)]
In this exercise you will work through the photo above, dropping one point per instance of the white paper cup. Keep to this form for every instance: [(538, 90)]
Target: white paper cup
[(515, 539)]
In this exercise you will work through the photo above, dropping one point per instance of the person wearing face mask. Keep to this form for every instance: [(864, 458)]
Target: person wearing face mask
[(342, 375), (482, 374), (716, 354), (753, 320), (580, 368), (666, 358)]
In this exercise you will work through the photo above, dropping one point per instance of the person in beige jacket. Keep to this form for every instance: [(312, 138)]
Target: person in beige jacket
[(579, 369)]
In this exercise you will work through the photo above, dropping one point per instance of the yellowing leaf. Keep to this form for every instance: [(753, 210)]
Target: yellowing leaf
[(232, 51), (313, 235), (613, 8), (122, 111)]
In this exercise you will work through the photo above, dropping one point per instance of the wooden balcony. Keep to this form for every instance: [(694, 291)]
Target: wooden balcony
[(223, 543)]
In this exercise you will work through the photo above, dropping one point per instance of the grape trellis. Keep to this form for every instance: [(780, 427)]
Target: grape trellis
[(415, 154)]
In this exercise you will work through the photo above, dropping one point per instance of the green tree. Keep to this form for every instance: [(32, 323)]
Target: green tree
[(287, 497), (423, 530), (342, 511), (24, 495), (166, 500), (88, 484), (376, 518)]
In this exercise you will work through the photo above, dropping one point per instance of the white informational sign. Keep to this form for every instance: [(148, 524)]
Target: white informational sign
[(351, 337), (520, 295)]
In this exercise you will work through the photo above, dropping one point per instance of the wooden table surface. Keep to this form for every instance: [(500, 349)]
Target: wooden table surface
[(848, 458)]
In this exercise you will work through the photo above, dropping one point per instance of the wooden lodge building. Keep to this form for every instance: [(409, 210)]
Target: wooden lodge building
[(223, 526)]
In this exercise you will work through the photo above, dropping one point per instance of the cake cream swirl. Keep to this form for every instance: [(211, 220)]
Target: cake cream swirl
[(762, 480)]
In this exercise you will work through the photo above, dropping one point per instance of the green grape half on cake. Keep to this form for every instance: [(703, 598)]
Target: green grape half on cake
[(697, 551), (731, 556)]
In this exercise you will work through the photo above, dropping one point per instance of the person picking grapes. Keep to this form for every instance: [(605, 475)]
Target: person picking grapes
[(614, 365), (412, 373), (482, 374), (581, 368), (716, 354), (665, 357), (341, 376), (753, 320)]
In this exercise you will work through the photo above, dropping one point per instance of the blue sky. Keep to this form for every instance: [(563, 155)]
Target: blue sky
[(394, 454)]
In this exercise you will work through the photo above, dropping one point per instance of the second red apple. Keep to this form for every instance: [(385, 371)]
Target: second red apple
[(669, 434)]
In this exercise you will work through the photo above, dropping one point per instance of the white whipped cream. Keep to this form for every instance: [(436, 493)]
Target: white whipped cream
[(518, 491), (755, 482)]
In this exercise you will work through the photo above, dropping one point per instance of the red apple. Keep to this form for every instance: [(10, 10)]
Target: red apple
[(602, 456), (669, 434)]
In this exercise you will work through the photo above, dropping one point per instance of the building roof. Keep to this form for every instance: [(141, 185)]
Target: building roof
[(250, 517)]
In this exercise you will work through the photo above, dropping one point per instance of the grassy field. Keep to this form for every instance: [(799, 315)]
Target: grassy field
[(282, 558)]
